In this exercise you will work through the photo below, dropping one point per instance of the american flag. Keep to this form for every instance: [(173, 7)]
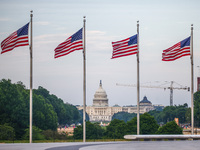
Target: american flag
[(125, 47), (16, 39), (177, 51), (73, 43)]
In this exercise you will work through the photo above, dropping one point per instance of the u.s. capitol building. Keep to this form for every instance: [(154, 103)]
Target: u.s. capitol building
[(100, 110)]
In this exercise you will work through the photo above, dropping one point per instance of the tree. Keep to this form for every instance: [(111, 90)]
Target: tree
[(6, 132), (171, 112), (81, 116), (13, 106), (124, 116), (158, 115), (48, 110), (197, 109), (66, 113), (78, 132), (170, 128), (148, 125), (44, 116), (73, 112), (181, 111), (93, 131), (188, 115), (116, 129), (36, 135)]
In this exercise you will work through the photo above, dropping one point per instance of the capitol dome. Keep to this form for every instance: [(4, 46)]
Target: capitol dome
[(100, 97)]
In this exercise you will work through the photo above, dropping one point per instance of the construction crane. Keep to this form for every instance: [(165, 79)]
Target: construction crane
[(171, 88)]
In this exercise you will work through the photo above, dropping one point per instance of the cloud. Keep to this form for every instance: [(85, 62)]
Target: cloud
[(43, 23), (4, 19)]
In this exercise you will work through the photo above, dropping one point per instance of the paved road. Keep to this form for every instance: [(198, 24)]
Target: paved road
[(134, 145)]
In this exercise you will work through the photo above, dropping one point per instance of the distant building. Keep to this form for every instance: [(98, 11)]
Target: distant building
[(100, 110)]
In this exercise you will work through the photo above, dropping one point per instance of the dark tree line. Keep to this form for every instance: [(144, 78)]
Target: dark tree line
[(182, 112), (49, 111), (118, 128), (124, 116), (197, 109), (167, 114)]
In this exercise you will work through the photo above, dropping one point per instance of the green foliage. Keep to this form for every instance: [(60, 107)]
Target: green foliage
[(44, 116), (49, 134), (6, 132), (148, 125), (81, 116), (124, 116), (116, 129), (66, 113), (36, 134), (54, 135), (78, 132), (93, 131), (73, 112), (14, 106), (171, 112), (48, 110), (170, 128), (197, 109)]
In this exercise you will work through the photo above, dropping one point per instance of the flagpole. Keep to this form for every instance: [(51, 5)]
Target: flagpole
[(84, 84), (138, 83), (31, 81), (192, 83)]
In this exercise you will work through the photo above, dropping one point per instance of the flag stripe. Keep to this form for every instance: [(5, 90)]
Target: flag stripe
[(174, 53), (68, 50), (125, 47), (16, 39), (67, 45), (177, 57), (177, 51), (124, 54), (73, 43)]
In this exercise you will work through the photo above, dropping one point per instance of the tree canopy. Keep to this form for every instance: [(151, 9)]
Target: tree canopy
[(93, 131), (171, 112), (124, 116), (148, 125), (197, 109), (170, 128), (48, 109), (116, 129)]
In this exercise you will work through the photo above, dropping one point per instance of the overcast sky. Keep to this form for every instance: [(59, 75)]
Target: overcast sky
[(162, 24)]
